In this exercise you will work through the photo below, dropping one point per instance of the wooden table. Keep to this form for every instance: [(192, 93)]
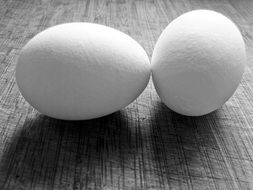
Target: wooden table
[(145, 145)]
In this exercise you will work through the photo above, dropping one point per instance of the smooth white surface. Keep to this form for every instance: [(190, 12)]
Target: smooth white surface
[(198, 62), (80, 71)]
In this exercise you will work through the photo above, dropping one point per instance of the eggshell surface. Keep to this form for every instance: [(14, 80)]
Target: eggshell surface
[(79, 71), (198, 62)]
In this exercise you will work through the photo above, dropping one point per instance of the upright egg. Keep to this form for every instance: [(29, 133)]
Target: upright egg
[(78, 71), (198, 62)]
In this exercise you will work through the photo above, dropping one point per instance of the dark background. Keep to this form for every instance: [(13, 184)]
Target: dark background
[(145, 145)]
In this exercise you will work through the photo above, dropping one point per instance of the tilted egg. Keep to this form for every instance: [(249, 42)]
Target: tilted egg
[(198, 62), (78, 71)]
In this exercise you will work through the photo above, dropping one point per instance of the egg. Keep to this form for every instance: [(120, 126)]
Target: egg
[(198, 62), (78, 71)]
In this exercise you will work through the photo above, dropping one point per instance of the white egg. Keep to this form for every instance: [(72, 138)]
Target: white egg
[(198, 62), (78, 71)]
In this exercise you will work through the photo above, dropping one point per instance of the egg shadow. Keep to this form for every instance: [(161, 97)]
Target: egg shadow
[(43, 150), (181, 144)]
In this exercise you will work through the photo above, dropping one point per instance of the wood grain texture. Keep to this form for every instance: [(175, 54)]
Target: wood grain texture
[(145, 145)]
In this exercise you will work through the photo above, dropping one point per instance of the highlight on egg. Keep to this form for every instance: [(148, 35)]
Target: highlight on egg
[(198, 62), (77, 71)]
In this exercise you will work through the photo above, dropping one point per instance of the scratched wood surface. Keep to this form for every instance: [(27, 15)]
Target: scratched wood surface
[(145, 145)]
